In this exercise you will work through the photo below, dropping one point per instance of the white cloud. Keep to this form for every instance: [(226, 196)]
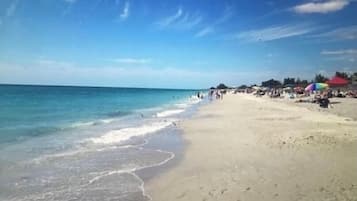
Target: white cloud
[(68, 9), (345, 33), (339, 52), (205, 31), (321, 7), (52, 63), (10, 11), (69, 73), (54, 72), (126, 11), (188, 21), (70, 1), (227, 14), (274, 33), (341, 55), (57, 74), (170, 19), (180, 20), (131, 61), (343, 58)]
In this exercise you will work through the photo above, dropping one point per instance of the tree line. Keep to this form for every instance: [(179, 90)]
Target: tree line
[(293, 82), (289, 81)]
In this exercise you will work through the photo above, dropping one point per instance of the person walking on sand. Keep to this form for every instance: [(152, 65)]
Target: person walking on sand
[(211, 95), (218, 95)]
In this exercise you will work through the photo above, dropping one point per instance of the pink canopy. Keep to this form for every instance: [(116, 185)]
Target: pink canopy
[(337, 81)]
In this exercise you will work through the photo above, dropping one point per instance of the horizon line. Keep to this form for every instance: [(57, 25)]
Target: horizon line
[(91, 86)]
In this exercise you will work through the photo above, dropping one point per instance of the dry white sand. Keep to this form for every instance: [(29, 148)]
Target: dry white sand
[(247, 148), (344, 107)]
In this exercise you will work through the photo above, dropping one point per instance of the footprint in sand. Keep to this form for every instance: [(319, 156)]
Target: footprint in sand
[(322, 189), (223, 191), (211, 193), (181, 196)]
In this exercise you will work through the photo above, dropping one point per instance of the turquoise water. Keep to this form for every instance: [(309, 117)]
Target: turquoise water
[(86, 143), (30, 111)]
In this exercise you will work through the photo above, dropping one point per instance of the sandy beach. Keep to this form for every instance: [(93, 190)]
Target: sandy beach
[(247, 148)]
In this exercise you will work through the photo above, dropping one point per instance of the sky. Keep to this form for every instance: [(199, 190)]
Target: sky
[(174, 44)]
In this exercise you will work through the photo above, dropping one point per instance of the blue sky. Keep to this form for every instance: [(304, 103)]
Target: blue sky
[(174, 44)]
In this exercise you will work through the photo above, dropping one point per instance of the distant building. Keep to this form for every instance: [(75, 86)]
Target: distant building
[(353, 82), (354, 79)]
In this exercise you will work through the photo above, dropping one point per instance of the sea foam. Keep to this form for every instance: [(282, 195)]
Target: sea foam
[(92, 123), (117, 136), (167, 113)]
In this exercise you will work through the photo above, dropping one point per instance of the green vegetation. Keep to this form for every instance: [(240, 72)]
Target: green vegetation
[(297, 82)]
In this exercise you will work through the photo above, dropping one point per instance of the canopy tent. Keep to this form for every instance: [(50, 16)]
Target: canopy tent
[(337, 82)]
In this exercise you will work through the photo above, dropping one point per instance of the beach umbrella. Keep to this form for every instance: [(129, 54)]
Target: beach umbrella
[(337, 82), (316, 86)]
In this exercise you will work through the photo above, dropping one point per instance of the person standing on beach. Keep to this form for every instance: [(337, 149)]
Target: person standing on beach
[(210, 94), (219, 95)]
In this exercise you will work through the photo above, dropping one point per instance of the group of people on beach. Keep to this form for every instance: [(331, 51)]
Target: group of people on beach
[(200, 95), (320, 97), (216, 94)]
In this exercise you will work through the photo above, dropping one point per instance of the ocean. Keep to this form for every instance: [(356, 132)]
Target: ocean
[(86, 143)]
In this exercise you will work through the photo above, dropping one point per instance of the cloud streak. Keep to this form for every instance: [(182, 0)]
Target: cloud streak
[(168, 77), (125, 12), (227, 14), (344, 33), (10, 11), (52, 63), (131, 61), (70, 1), (68, 9), (321, 7), (274, 33), (343, 54), (339, 52), (180, 20), (205, 31), (170, 19)]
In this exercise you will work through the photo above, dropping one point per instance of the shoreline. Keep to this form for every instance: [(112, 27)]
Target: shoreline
[(248, 148), (169, 140), (178, 145), (109, 156)]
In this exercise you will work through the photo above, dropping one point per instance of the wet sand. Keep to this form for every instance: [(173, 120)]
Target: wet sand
[(248, 148)]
